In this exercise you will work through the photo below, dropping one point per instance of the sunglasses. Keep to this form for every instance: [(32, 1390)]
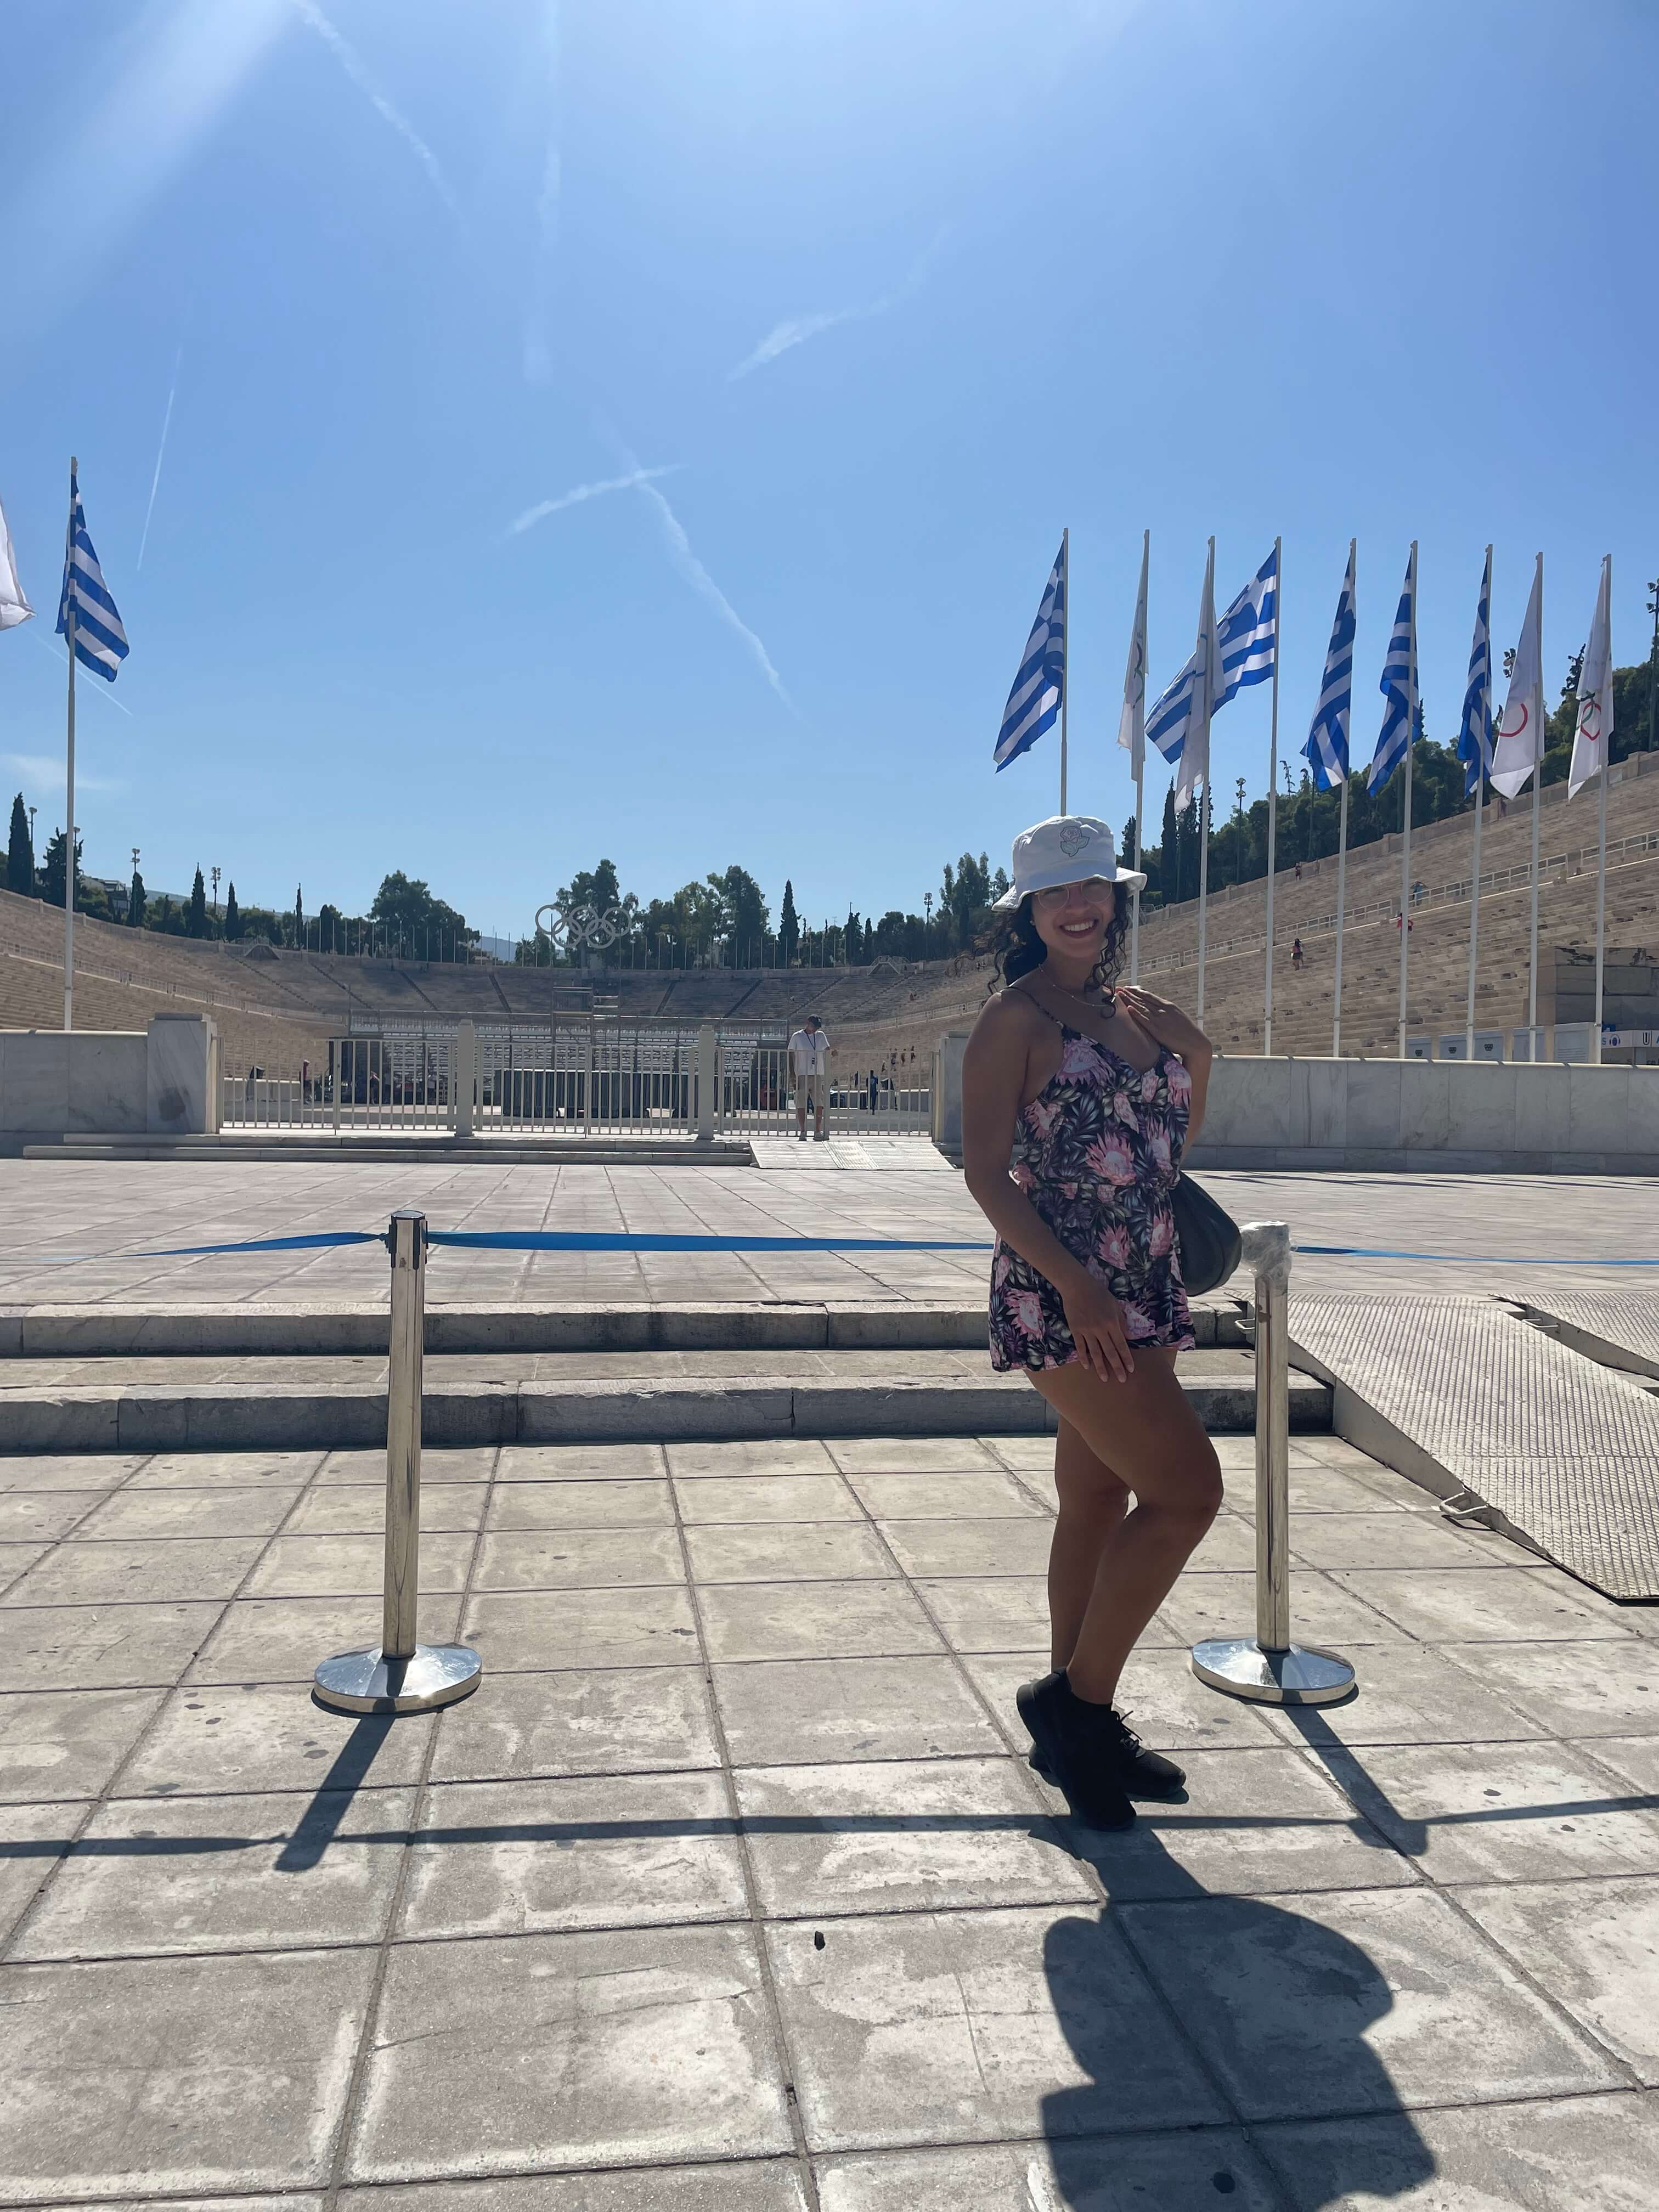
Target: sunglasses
[(1092, 887)]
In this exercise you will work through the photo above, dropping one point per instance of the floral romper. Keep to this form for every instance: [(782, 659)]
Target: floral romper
[(1097, 1151)]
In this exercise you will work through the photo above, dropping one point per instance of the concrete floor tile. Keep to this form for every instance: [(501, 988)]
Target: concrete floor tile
[(224, 1874), (71, 1471), (439, 1463), (1119, 2173), (938, 2027), (36, 1838), (909, 1454), (226, 1738), (1635, 1757), (1512, 1812), (1595, 1946), (814, 1620), (137, 1573), (31, 1517), (581, 1720), (67, 1743), (1253, 1824), (756, 2185), (752, 1455), (579, 1558), (786, 1550), (285, 1639), (352, 1566), (1571, 2154), (358, 1510), (902, 1835), (1026, 1455), (1594, 1688), (526, 1506), (518, 1858), (1407, 1693), (1353, 2003), (178, 2077), (979, 1548), (1169, 1708), (526, 1631), (581, 1463), (97, 1647), (822, 1711), (135, 1514), (1521, 1604), (1314, 1487), (208, 1470), (619, 2048), (978, 1495), (750, 1498), (17, 1559), (1323, 1611), (1395, 1540), (1007, 1614), (1228, 1546)]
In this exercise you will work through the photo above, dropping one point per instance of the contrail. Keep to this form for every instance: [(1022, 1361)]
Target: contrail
[(796, 328), (540, 512), (538, 353), (155, 480), (680, 551), (82, 691), (346, 55)]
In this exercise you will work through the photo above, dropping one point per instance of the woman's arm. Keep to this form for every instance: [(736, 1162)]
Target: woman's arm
[(1179, 1034), (993, 1071)]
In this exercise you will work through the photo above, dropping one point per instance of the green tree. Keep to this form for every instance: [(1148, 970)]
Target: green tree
[(232, 916), (405, 905), (788, 927), (20, 851), (299, 914), (136, 901), (1168, 851), (196, 917), (51, 875), (745, 917)]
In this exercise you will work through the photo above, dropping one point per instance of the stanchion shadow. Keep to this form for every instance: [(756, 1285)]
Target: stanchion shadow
[(317, 1826), (1277, 2006)]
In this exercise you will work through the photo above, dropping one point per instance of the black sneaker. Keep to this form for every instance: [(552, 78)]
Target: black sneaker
[(1066, 1732), (1143, 1773)]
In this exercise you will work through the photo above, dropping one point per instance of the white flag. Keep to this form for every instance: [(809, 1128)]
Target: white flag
[(14, 607), (1592, 737), (1520, 743), (1194, 764), (1132, 724)]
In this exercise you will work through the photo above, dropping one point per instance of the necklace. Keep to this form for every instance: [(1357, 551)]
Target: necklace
[(1105, 1002)]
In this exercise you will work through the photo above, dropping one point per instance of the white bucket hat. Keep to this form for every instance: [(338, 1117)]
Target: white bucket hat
[(1068, 848)]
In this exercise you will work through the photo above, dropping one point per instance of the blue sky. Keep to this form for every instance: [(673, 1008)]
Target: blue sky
[(891, 292)]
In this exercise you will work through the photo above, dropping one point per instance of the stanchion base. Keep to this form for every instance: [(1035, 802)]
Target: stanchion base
[(1302, 1675), (364, 1682)]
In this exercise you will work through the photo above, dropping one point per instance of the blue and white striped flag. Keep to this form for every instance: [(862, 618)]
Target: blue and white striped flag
[(100, 643), (1178, 721), (1399, 686), (1246, 636), (1327, 749), (1474, 738), (1034, 703)]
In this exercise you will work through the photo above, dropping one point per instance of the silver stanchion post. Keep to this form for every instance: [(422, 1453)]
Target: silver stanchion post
[(1267, 1667), (400, 1674)]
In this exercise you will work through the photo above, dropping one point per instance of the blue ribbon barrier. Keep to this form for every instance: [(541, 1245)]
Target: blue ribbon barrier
[(583, 1239), (1462, 1259)]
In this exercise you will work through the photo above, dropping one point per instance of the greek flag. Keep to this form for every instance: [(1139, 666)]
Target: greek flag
[(1246, 636), (1178, 721), (1474, 738), (1399, 686), (1033, 705), (100, 643), (1327, 749)]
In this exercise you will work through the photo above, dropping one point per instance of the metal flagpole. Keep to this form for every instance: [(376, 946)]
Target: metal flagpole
[(1537, 797), (1480, 809), (1206, 677), (1341, 897), (1203, 888), (1065, 653), (1135, 921), (1605, 739), (69, 850), (1140, 762), (1406, 850), (1272, 807)]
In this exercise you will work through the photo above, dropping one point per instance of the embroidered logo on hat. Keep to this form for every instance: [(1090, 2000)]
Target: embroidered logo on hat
[(1072, 837)]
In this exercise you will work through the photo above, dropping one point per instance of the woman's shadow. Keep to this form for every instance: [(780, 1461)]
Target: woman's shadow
[(1277, 2007)]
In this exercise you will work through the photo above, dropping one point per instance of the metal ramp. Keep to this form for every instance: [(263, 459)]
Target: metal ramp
[(1466, 1397), (1620, 1328)]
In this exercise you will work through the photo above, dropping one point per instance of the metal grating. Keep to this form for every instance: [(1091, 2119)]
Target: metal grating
[(1566, 1450), (1619, 1327)]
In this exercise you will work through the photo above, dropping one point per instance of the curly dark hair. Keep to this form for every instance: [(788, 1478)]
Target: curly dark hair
[(1015, 948)]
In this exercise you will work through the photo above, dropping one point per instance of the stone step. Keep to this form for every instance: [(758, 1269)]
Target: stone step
[(341, 1327), (287, 1407), (381, 1146)]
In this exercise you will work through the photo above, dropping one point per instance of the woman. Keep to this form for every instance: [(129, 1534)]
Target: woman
[(1077, 1101)]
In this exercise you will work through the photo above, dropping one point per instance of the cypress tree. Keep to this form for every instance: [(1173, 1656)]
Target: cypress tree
[(299, 917), (789, 927), (196, 920), (233, 916), (51, 875), (1169, 852), (20, 851), (136, 902)]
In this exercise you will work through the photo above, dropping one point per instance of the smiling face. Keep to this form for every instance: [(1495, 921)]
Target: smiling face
[(1072, 919)]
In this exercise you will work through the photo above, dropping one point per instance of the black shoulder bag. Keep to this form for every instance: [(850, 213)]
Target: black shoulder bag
[(1211, 1246)]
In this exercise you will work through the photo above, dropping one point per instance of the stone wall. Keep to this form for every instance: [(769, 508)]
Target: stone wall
[(160, 1081)]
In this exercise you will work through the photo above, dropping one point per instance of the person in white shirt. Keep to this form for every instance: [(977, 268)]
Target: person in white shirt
[(809, 1062)]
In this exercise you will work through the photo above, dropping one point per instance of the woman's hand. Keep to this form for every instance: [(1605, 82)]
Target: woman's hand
[(1096, 1321), (1163, 1021)]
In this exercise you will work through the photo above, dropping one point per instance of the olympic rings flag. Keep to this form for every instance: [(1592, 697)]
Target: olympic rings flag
[(1520, 745), (1590, 739)]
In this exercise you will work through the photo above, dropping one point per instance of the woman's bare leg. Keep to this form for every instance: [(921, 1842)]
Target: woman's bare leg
[(1143, 1431), (1093, 1505)]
